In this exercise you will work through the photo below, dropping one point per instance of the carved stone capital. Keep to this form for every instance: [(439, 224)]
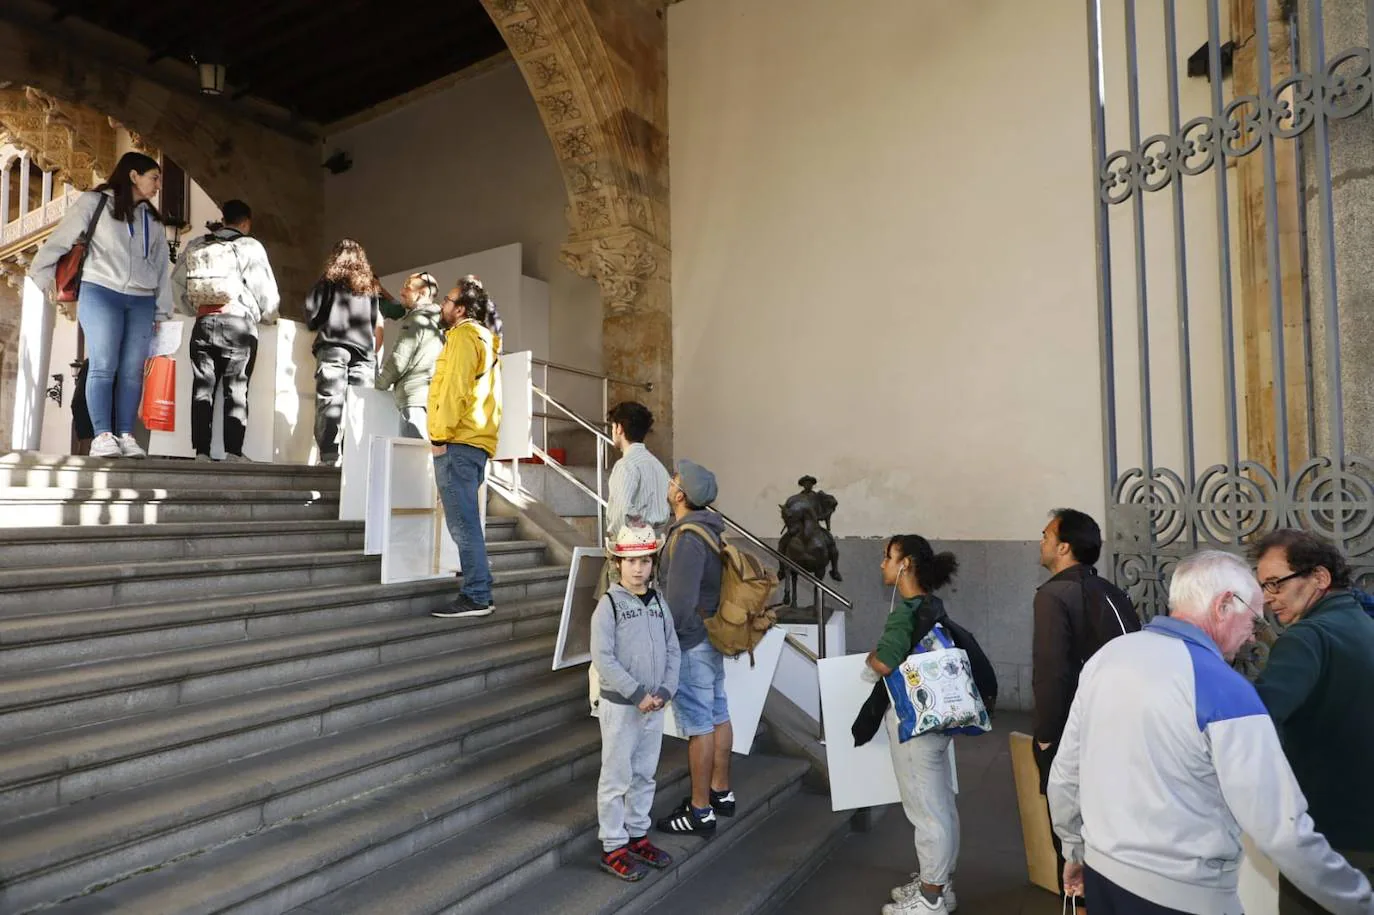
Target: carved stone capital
[(75, 142), (623, 265)]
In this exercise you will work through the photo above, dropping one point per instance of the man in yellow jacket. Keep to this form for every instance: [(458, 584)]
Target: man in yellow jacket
[(464, 421)]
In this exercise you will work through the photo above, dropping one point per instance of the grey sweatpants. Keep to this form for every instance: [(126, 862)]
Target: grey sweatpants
[(927, 788), (630, 743)]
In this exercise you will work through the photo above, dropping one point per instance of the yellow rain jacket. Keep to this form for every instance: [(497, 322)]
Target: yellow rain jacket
[(465, 393)]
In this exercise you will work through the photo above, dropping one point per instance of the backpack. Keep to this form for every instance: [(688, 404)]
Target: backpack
[(213, 276), (746, 585)]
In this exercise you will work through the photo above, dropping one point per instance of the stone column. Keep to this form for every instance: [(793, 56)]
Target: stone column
[(1352, 203), (5, 195), (23, 183), (1253, 277)]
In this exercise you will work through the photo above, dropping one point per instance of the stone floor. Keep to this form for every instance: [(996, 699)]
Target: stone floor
[(992, 864)]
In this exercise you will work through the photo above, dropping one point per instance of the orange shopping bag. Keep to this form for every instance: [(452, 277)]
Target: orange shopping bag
[(159, 407)]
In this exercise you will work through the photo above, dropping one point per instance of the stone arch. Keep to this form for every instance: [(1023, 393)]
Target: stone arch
[(598, 74), (228, 156)]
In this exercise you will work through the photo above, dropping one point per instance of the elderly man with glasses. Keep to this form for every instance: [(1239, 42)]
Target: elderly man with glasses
[(1168, 756), (1319, 689)]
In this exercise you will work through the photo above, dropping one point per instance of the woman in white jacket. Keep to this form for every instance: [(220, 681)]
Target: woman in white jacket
[(125, 285)]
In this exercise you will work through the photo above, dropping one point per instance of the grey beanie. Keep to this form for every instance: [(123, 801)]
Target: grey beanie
[(698, 484)]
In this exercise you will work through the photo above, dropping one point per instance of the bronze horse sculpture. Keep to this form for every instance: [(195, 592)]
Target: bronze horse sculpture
[(806, 538)]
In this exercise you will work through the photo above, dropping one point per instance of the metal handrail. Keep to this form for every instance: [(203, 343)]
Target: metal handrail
[(643, 385), (568, 475), (573, 416), (555, 418)]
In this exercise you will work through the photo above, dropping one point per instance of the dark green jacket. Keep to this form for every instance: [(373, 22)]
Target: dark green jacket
[(1319, 689)]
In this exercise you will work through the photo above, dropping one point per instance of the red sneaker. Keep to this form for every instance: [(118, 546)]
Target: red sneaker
[(620, 864), (649, 853)]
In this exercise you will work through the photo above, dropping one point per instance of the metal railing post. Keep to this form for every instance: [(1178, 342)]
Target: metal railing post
[(820, 653), (600, 493), (820, 621)]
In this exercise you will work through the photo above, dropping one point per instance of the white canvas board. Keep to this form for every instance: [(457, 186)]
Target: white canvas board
[(166, 339), (515, 439), (746, 691), (859, 776), (416, 543), (574, 645), (378, 469), (367, 412), (411, 509)]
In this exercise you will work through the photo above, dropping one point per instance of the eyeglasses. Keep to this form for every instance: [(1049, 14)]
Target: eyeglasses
[(1272, 585), (1257, 620)]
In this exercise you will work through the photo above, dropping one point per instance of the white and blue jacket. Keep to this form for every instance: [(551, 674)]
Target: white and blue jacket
[(1168, 756)]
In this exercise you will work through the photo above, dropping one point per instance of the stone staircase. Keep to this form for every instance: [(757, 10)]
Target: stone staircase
[(208, 704)]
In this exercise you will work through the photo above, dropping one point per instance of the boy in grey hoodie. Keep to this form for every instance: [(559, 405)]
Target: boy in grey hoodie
[(635, 653)]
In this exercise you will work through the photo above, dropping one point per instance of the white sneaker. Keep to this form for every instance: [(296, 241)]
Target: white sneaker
[(204, 459), (106, 445), (917, 905), (906, 891), (128, 446), (237, 459)]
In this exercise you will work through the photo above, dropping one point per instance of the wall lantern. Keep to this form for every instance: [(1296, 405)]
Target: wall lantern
[(211, 78)]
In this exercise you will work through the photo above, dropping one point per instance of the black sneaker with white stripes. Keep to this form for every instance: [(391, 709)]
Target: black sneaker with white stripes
[(685, 821), (723, 802)]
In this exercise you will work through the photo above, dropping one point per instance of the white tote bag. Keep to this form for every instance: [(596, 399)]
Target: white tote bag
[(933, 690)]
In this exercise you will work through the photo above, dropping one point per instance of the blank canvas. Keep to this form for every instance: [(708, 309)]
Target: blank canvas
[(859, 776), (746, 691)]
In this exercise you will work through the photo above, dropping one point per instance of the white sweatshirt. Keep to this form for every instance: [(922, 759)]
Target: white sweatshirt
[(1167, 758)]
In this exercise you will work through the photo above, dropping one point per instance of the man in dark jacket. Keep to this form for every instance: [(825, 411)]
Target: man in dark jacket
[(1076, 613), (1319, 687), (691, 574)]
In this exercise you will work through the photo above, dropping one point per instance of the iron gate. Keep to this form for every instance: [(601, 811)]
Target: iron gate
[(1262, 162)]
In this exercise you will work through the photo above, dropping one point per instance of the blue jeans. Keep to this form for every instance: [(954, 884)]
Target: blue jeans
[(118, 329), (460, 472), (700, 703)]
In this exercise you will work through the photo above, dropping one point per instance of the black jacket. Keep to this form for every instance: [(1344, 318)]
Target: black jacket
[(1076, 613), (932, 611), (1319, 689)]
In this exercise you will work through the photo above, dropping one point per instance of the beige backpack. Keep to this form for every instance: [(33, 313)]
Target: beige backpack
[(746, 586)]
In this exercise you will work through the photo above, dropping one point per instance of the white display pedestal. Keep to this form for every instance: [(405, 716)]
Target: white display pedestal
[(281, 400), (796, 678)]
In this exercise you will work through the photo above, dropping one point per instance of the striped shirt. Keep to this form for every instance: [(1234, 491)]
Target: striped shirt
[(638, 490)]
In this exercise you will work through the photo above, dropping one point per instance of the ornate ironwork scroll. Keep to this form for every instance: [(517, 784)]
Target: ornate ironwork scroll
[(1156, 514)]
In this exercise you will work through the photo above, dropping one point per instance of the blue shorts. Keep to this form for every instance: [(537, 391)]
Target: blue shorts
[(699, 705)]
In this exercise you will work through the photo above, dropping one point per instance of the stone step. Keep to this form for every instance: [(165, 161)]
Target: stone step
[(45, 641), (85, 587), (275, 869), (67, 852), (38, 547), (52, 769), (530, 859), (42, 702), (75, 472), (97, 507), (781, 854)]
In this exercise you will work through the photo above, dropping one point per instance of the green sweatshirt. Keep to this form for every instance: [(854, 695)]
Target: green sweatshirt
[(909, 620), (1319, 689), (409, 365)]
